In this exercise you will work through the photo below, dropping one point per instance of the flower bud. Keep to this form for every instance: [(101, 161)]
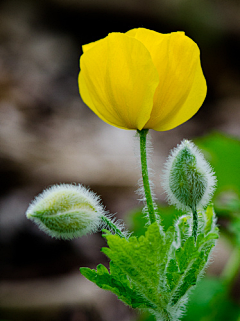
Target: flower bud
[(188, 179), (66, 211)]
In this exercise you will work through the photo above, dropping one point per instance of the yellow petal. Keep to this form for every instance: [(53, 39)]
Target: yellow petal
[(118, 80), (150, 39), (182, 86), (186, 107), (90, 45)]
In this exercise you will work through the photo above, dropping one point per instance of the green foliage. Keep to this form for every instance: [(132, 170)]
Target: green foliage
[(137, 221), (235, 228), (155, 271), (210, 301), (223, 153)]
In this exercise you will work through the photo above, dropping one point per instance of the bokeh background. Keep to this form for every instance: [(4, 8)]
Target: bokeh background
[(48, 136)]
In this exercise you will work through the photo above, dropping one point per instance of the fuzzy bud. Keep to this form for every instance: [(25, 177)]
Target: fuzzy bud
[(188, 179), (66, 211)]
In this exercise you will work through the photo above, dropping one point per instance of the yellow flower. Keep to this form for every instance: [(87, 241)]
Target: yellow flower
[(142, 79)]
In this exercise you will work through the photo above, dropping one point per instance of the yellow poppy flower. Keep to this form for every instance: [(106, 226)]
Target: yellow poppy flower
[(142, 79)]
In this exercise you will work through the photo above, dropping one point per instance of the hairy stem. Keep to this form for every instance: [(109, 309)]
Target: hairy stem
[(195, 223), (146, 185), (111, 226)]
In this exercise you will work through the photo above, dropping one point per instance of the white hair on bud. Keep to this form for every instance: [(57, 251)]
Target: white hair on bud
[(202, 166), (66, 211)]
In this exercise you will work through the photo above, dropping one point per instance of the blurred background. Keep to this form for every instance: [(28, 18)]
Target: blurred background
[(48, 136)]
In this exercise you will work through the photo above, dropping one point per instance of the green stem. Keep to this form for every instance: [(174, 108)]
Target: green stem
[(195, 223), (111, 226), (231, 269), (145, 177)]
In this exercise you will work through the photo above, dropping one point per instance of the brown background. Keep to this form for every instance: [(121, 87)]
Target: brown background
[(48, 136)]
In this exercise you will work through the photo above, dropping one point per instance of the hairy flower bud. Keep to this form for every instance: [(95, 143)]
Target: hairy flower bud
[(66, 211), (188, 179)]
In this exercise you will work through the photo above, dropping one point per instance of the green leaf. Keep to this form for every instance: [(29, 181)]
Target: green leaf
[(185, 253), (155, 271), (172, 274), (136, 258), (183, 225), (116, 282), (209, 218)]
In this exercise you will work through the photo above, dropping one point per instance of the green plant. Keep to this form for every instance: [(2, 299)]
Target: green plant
[(127, 85)]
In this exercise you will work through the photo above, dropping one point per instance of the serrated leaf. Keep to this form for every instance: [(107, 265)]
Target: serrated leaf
[(173, 274), (189, 279), (185, 253), (115, 282), (155, 271), (137, 259)]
